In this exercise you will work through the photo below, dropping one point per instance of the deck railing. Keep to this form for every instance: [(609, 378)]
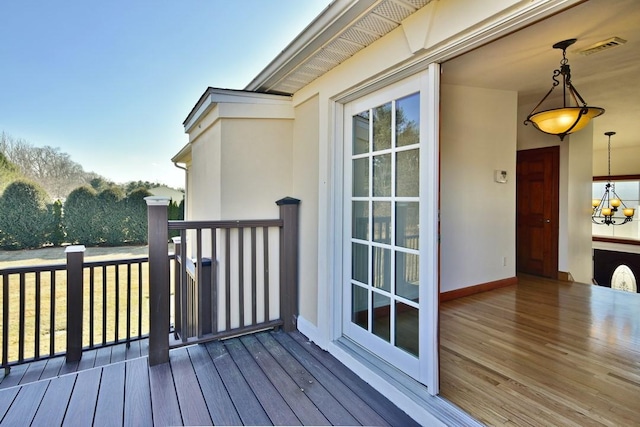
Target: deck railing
[(231, 277), (60, 309)]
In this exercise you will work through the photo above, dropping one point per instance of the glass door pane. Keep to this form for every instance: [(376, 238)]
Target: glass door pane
[(385, 228)]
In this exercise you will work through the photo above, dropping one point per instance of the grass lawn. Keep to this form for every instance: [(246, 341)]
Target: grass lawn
[(132, 286)]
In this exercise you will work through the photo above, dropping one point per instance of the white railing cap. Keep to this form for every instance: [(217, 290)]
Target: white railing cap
[(74, 248), (157, 200)]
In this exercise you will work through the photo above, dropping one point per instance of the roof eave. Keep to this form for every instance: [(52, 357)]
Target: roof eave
[(331, 21), (212, 96)]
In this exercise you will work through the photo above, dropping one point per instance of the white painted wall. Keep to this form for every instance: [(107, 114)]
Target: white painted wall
[(579, 171), (477, 215)]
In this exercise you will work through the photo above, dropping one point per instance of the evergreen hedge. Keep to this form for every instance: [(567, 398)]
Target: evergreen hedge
[(80, 217), (87, 217), (25, 219)]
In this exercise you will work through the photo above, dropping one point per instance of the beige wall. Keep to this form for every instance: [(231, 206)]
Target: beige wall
[(578, 253), (477, 216), (205, 175), (305, 188), (624, 161), (241, 163), (256, 165)]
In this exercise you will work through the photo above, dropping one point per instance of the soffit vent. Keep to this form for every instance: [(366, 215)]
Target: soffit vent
[(383, 18), (603, 45)]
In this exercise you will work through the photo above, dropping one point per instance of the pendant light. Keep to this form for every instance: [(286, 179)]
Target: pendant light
[(604, 209), (567, 119)]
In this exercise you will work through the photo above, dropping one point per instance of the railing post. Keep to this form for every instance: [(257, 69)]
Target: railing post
[(75, 261), (159, 292), (289, 262)]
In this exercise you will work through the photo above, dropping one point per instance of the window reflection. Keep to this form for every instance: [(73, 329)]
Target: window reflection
[(408, 120)]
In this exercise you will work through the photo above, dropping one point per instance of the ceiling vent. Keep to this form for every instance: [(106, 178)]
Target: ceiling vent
[(603, 45)]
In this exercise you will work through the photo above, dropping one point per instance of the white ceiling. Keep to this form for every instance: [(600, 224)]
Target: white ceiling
[(524, 62)]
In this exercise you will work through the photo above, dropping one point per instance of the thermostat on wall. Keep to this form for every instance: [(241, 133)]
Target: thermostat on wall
[(500, 176)]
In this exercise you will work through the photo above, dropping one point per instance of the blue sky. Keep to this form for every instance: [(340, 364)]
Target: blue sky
[(110, 82)]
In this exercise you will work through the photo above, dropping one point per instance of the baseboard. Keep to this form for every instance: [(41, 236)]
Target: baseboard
[(310, 330), (483, 287), (565, 276)]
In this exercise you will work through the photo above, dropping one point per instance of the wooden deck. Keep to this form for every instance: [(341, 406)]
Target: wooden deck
[(269, 378), (543, 353)]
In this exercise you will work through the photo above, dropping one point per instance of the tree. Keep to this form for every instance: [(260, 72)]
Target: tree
[(25, 222), (48, 166), (80, 216), (9, 172), (56, 235), (111, 216), (136, 212)]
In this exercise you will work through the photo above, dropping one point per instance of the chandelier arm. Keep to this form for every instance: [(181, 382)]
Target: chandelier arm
[(575, 94), (539, 103)]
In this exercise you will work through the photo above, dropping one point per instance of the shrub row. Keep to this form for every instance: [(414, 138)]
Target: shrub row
[(106, 218)]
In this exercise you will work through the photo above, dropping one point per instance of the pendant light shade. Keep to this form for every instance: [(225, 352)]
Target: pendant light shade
[(567, 119)]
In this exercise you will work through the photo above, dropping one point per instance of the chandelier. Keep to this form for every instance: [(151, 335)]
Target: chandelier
[(563, 120), (604, 209)]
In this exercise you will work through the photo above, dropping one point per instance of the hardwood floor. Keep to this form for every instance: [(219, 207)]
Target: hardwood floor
[(543, 353)]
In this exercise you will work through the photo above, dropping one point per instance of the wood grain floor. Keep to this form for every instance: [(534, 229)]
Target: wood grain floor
[(269, 378), (543, 353)]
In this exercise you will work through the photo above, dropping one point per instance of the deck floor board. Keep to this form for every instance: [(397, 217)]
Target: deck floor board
[(221, 408), (271, 378), (54, 403), (249, 408), (25, 405), (137, 394), (83, 398), (272, 401), (351, 401), (334, 412), (110, 405), (192, 403), (162, 390)]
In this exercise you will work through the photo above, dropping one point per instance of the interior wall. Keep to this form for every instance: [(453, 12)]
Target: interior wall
[(576, 160), (477, 216), (624, 161), (579, 167), (306, 188)]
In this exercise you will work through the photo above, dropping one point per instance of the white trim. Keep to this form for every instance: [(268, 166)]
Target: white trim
[(74, 249), (334, 19), (157, 200), (430, 264), (310, 331), (215, 96)]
